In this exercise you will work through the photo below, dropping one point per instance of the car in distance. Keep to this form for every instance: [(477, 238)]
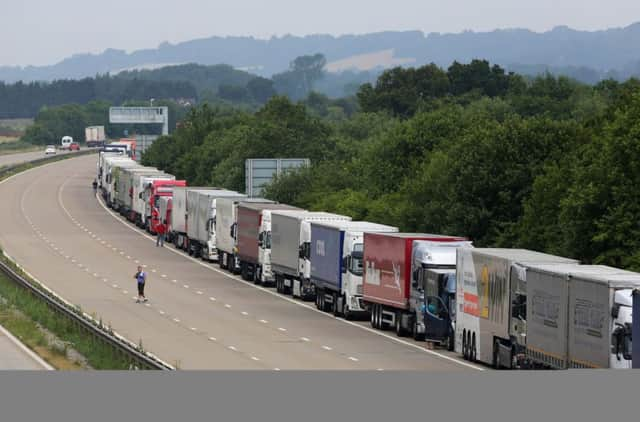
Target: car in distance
[(50, 149), (74, 147)]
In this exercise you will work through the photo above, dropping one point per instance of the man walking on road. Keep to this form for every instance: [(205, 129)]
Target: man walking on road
[(161, 231), (141, 278)]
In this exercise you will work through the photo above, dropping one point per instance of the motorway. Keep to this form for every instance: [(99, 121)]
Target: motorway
[(14, 355), (198, 316), (23, 157)]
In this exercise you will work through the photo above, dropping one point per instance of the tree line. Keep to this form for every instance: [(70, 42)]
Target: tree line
[(548, 164), (27, 99)]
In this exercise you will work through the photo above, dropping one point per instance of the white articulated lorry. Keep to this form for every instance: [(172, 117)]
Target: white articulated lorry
[(490, 298), (290, 244), (337, 250), (201, 215), (577, 316), (227, 230), (124, 196), (111, 175)]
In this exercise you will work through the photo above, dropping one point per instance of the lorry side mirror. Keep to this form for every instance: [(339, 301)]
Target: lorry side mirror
[(140, 195), (300, 252), (615, 310)]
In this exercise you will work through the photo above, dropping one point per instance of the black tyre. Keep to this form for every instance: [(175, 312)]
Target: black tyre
[(465, 354), (415, 334), (345, 309), (473, 354), (372, 317), (398, 327), (495, 362), (336, 311), (451, 343)]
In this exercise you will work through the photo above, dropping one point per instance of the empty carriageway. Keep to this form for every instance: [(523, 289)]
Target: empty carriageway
[(198, 317)]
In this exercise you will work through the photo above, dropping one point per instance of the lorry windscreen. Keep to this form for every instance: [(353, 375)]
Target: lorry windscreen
[(356, 261)]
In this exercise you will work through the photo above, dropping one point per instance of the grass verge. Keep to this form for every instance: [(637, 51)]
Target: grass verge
[(31, 313), (12, 147)]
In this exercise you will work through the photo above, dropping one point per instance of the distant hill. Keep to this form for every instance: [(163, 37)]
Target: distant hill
[(611, 52)]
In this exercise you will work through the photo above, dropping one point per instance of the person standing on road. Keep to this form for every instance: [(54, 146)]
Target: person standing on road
[(141, 278), (161, 231)]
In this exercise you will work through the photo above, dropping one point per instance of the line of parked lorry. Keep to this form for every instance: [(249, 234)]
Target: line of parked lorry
[(510, 308)]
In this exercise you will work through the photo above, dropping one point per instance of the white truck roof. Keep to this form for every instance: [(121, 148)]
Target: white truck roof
[(357, 226), (600, 274)]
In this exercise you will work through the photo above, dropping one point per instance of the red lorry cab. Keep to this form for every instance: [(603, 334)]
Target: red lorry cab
[(155, 190)]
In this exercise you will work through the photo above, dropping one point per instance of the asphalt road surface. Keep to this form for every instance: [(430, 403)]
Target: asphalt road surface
[(14, 355), (198, 316), (23, 157)]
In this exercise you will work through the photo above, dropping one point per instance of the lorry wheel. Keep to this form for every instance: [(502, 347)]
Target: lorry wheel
[(416, 335), (372, 318), (465, 355), (399, 329), (496, 354), (379, 317), (451, 343), (345, 309), (473, 354), (336, 311)]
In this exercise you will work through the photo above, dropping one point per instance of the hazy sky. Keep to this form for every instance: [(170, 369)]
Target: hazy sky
[(45, 31)]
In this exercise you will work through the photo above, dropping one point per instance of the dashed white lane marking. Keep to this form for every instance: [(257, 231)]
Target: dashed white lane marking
[(125, 292), (244, 313), (213, 299), (254, 358), (148, 305), (353, 359), (161, 312), (194, 329), (282, 329), (304, 339), (95, 275), (186, 286), (233, 348), (163, 276), (198, 292), (380, 369), (276, 369), (115, 286), (327, 348), (264, 321), (226, 305), (297, 303), (213, 339), (105, 280), (176, 320), (154, 270)]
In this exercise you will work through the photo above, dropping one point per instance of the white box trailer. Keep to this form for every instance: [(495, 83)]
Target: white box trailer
[(290, 248), (578, 316), (201, 212), (226, 230), (94, 136), (113, 166), (179, 215), (489, 294), (124, 196)]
